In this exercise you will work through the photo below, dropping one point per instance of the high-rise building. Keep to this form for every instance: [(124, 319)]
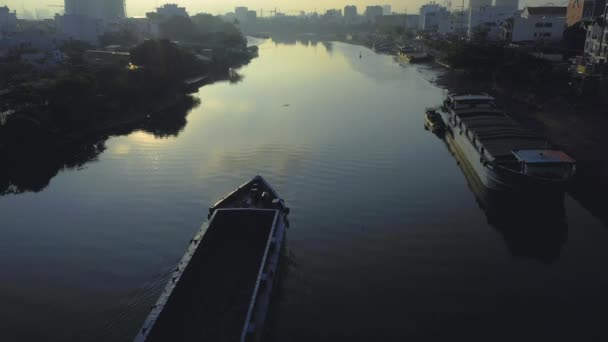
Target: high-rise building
[(241, 13), (8, 20), (350, 14), (387, 10), (429, 16), (171, 10), (373, 12), (98, 9)]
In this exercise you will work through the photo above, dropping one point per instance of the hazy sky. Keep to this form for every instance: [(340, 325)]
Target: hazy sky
[(140, 7)]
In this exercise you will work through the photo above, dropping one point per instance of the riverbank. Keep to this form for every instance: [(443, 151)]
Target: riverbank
[(569, 123)]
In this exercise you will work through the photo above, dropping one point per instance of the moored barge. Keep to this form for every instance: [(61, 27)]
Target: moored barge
[(504, 154)]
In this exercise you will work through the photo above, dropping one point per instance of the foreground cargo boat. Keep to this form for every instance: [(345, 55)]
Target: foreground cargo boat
[(221, 289), (502, 153)]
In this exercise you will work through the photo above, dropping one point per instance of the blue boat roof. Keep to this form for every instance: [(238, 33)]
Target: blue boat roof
[(543, 156)]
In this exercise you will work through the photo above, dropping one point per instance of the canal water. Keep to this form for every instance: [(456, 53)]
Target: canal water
[(390, 239)]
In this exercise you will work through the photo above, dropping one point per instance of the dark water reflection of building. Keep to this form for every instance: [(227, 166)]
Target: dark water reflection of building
[(533, 225), (294, 39), (30, 167)]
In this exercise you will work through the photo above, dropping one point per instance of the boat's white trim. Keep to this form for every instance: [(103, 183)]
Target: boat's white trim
[(275, 238), (247, 327)]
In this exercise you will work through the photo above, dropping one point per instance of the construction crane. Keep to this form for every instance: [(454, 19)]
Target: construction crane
[(274, 12)]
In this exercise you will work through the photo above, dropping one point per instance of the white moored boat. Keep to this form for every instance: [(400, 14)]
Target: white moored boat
[(503, 153)]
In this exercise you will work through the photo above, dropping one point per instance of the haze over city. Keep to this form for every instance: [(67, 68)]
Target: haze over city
[(140, 7)]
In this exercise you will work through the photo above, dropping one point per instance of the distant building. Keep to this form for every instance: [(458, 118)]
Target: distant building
[(8, 21), (108, 10), (350, 14), (79, 27), (512, 4), (373, 12), (489, 20), (479, 3), (583, 9), (412, 21), (172, 10), (387, 10), (140, 27), (596, 48), (333, 15), (430, 15), (252, 16), (241, 13), (452, 23), (86, 20), (395, 20), (545, 23), (155, 19)]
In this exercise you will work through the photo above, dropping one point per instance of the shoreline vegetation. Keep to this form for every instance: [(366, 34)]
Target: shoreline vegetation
[(62, 117)]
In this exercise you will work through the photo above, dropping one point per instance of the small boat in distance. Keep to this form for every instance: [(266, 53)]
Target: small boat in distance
[(433, 120), (221, 289)]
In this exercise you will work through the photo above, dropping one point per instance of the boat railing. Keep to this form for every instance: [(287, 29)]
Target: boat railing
[(248, 325)]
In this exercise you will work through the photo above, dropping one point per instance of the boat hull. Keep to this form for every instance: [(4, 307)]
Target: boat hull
[(221, 290), (497, 179)]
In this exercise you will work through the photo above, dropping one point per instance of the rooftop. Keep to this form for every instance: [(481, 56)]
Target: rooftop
[(471, 96), (543, 156), (554, 11)]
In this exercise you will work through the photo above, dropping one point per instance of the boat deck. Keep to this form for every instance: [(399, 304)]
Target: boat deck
[(500, 135), (211, 299)]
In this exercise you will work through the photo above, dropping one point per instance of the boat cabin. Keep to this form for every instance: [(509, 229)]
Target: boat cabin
[(469, 101), (550, 164)]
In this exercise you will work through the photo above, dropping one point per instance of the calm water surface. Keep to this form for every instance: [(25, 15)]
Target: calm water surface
[(387, 242)]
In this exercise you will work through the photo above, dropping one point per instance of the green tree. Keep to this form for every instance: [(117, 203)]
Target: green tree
[(166, 59)]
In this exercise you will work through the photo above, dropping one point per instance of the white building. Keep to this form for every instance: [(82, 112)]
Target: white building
[(546, 23), (373, 12), (596, 49), (489, 20)]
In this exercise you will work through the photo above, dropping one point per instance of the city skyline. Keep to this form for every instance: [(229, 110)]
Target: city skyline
[(140, 7)]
